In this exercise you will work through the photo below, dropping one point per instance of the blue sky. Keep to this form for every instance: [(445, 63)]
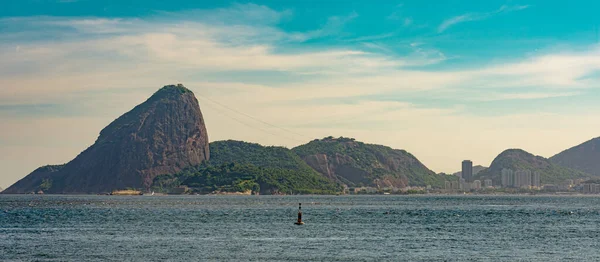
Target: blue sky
[(445, 80)]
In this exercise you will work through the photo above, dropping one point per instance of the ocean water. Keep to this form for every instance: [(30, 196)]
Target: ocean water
[(338, 228)]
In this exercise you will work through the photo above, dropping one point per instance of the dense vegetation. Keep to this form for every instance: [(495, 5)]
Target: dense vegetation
[(239, 152), (517, 159), (237, 166), (356, 163), (246, 177)]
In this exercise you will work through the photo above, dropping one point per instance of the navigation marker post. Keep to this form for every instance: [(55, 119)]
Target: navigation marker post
[(299, 222)]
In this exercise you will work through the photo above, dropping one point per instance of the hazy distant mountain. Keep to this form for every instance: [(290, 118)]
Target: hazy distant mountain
[(476, 170), (584, 157), (517, 159), (163, 135), (355, 163)]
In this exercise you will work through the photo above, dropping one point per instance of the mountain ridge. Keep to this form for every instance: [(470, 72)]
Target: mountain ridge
[(355, 163), (519, 159), (584, 157), (162, 135)]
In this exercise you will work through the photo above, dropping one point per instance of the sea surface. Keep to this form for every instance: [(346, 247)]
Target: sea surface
[(261, 228)]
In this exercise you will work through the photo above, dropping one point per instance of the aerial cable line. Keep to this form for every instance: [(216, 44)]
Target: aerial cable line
[(254, 118), (248, 125)]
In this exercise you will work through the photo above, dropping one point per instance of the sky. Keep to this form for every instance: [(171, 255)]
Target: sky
[(444, 80)]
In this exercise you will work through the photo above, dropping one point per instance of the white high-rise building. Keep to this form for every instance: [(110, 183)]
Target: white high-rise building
[(476, 185), (507, 178), (463, 185), (536, 179), (522, 179)]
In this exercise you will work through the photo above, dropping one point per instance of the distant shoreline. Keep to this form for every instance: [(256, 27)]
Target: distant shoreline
[(356, 195)]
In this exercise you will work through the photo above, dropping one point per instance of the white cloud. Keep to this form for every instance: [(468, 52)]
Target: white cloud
[(477, 16), (491, 96)]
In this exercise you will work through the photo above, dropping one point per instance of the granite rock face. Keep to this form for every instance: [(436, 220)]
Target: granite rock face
[(163, 135)]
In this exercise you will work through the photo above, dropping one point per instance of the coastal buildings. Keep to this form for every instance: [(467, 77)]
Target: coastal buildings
[(467, 170), (536, 179), (462, 185), (524, 179), (455, 185), (591, 188), (507, 178), (488, 183), (476, 185)]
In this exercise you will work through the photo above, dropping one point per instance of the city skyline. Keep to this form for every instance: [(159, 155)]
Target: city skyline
[(492, 75)]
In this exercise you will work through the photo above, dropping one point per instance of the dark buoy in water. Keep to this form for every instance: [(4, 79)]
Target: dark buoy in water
[(299, 222)]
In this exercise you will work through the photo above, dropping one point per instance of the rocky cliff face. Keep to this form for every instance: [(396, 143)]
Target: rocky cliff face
[(163, 135), (584, 157), (355, 163)]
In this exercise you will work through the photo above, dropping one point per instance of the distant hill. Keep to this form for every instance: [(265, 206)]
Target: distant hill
[(163, 135), (355, 163), (584, 157), (476, 170), (237, 166), (517, 159)]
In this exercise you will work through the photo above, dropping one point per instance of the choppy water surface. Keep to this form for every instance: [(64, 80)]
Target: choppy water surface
[(338, 228)]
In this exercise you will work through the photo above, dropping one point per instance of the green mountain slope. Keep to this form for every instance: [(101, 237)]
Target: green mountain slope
[(239, 152), (517, 159), (237, 166), (358, 164)]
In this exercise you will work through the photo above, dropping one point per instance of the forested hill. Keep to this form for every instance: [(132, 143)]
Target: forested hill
[(355, 163), (237, 166)]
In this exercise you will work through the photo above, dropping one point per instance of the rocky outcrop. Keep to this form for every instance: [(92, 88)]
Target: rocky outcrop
[(584, 157), (354, 163), (163, 135)]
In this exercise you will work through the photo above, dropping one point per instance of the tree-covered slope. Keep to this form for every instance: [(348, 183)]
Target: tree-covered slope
[(517, 159), (237, 166), (239, 152), (356, 164)]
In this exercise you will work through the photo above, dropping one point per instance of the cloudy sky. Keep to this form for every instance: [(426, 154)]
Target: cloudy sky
[(445, 80)]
